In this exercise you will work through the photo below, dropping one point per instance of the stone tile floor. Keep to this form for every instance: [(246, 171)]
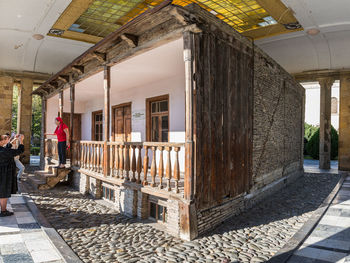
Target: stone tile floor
[(312, 166), (98, 234), (330, 240), (21, 238)]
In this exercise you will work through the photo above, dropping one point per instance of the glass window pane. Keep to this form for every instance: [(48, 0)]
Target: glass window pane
[(163, 105), (153, 210), (154, 107), (155, 129), (160, 212)]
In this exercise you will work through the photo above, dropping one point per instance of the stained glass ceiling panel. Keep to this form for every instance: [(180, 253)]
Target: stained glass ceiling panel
[(105, 16)]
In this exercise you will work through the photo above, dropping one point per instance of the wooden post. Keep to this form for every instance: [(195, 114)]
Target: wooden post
[(189, 71), (71, 121), (60, 103), (42, 135), (106, 116)]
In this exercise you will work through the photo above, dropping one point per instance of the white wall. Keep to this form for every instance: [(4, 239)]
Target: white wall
[(312, 104), (174, 86)]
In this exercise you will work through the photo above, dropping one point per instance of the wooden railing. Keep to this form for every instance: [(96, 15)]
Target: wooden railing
[(91, 156), (139, 161), (51, 148)]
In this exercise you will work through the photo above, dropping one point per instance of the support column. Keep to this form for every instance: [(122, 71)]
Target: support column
[(24, 116), (6, 94), (60, 103), (188, 214), (344, 124), (106, 117), (71, 123), (325, 122), (43, 130)]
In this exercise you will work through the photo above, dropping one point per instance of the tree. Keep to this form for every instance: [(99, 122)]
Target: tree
[(313, 146)]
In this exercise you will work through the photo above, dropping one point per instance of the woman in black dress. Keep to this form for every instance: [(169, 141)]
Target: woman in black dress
[(8, 180)]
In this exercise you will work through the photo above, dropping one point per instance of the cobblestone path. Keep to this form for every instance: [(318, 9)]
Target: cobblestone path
[(98, 234)]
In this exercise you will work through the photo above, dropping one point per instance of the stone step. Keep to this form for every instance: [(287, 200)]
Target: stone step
[(35, 180)]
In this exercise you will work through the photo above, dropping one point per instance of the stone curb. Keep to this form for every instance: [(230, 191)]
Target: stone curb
[(66, 252), (288, 250)]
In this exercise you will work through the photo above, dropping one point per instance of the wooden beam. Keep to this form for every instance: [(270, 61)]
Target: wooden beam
[(268, 31), (106, 117), (78, 69), (63, 78), (42, 135), (71, 119), (102, 57), (132, 40), (278, 11)]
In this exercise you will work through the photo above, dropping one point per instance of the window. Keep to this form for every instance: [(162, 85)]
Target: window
[(107, 193), (158, 119), (97, 126), (158, 212), (334, 105)]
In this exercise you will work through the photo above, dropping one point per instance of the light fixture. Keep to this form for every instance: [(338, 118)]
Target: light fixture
[(313, 31), (55, 31), (292, 26), (38, 36)]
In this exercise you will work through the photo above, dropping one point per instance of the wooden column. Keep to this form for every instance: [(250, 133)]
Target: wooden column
[(189, 70), (344, 124), (325, 122), (60, 103), (24, 115), (188, 216), (106, 117), (43, 130), (71, 123)]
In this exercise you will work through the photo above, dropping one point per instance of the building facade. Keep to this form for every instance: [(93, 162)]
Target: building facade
[(178, 118)]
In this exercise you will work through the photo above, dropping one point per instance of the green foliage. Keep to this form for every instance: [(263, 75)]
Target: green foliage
[(14, 109), (312, 147), (34, 150), (309, 131)]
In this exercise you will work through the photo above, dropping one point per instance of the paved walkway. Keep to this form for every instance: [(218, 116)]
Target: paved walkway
[(22, 239), (330, 240), (312, 166)]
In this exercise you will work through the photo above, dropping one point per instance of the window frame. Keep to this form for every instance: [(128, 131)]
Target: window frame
[(149, 102), (93, 135)]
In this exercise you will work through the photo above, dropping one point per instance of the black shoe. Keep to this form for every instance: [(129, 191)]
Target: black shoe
[(6, 213)]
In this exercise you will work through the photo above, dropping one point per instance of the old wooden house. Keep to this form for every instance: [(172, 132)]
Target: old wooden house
[(177, 118)]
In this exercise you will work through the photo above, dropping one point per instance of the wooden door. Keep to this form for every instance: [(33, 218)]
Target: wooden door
[(122, 123), (77, 125)]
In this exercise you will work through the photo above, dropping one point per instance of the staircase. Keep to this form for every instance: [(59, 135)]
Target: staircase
[(44, 180)]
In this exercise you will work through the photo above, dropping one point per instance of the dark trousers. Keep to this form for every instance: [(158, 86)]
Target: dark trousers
[(62, 152)]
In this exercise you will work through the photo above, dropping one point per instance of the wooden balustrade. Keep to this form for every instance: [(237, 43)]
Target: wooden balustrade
[(126, 163), (91, 156)]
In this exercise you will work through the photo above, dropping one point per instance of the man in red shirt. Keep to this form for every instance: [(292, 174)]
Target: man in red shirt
[(62, 133)]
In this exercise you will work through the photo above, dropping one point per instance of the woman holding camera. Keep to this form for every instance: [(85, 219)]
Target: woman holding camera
[(8, 180)]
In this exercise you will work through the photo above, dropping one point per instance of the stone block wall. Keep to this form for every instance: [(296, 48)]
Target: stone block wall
[(6, 94), (173, 218)]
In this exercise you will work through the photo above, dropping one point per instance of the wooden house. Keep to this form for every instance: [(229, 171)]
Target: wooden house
[(178, 118)]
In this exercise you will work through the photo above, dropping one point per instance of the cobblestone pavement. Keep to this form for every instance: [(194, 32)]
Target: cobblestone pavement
[(98, 234)]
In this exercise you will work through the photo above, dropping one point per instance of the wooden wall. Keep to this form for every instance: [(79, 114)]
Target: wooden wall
[(223, 118)]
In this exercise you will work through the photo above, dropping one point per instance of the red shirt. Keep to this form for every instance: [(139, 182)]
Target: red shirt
[(61, 135)]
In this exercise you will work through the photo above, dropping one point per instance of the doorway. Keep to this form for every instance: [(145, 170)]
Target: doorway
[(121, 128)]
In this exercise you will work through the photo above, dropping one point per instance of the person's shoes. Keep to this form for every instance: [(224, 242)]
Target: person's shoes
[(6, 213)]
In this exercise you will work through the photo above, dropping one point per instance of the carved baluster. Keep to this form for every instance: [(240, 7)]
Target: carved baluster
[(102, 157), (139, 164), (121, 161), (86, 151), (82, 153), (127, 162), (168, 169), (145, 166), (116, 162), (161, 167), (90, 156), (177, 169), (133, 163), (111, 160), (154, 166), (98, 153)]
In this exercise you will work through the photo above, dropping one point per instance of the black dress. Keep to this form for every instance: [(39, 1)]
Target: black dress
[(8, 180)]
